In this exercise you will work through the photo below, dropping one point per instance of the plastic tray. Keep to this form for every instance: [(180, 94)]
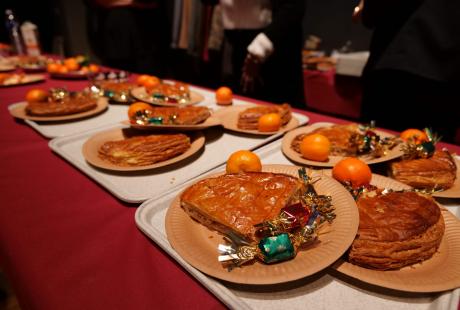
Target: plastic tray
[(114, 114), (138, 187), (320, 291)]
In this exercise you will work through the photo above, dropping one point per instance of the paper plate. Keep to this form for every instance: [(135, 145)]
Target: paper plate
[(91, 148), (454, 191), (140, 94), (297, 157), (439, 273), (19, 111), (198, 245), (209, 122), (27, 79), (229, 117), (32, 68), (7, 67)]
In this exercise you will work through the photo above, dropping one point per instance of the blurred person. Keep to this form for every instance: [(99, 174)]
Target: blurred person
[(266, 43), (133, 35), (411, 77)]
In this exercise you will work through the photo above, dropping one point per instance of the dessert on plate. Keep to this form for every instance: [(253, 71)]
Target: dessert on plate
[(163, 93), (437, 172), (188, 115), (249, 118), (237, 202), (350, 140), (144, 150), (61, 102), (396, 229)]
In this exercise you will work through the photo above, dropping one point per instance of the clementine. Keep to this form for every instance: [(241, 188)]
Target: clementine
[(138, 106), (224, 96), (93, 68), (414, 135), (52, 67), (63, 69), (71, 64), (269, 122), (36, 95), (151, 82), (315, 147), (142, 78), (352, 170), (243, 161)]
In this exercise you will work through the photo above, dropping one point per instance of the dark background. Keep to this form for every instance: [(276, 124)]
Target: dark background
[(62, 27), (65, 20)]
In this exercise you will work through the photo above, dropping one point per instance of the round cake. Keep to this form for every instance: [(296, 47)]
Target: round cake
[(396, 229)]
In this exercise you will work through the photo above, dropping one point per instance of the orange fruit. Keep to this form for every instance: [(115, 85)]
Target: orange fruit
[(352, 170), (315, 147), (63, 69), (269, 122), (138, 106), (224, 96), (84, 69), (52, 67), (36, 95), (142, 78), (414, 135), (243, 161), (151, 82), (71, 64), (93, 68)]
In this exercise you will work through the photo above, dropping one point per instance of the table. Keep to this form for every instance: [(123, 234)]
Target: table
[(67, 243)]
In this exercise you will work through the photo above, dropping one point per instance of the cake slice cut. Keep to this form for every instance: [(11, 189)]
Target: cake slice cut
[(144, 150), (181, 116), (237, 202), (249, 118), (75, 103), (437, 172), (340, 136)]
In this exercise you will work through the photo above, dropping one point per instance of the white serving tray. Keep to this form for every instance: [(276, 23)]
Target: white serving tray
[(137, 187), (320, 291), (114, 114)]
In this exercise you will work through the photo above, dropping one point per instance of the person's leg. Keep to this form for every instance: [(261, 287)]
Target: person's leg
[(239, 41)]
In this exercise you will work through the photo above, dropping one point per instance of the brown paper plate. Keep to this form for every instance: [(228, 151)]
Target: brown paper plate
[(32, 68), (293, 155), (209, 122), (198, 245), (229, 117), (27, 79), (7, 67), (140, 94), (454, 191), (19, 111), (92, 145), (439, 273)]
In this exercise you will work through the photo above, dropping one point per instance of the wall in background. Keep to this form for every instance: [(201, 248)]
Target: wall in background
[(331, 21)]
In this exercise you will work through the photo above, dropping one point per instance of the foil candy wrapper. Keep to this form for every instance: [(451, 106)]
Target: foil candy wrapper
[(426, 149), (290, 218), (270, 249), (369, 142), (281, 238), (145, 117)]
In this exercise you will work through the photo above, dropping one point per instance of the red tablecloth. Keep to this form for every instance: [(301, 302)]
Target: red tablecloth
[(329, 93), (66, 243)]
